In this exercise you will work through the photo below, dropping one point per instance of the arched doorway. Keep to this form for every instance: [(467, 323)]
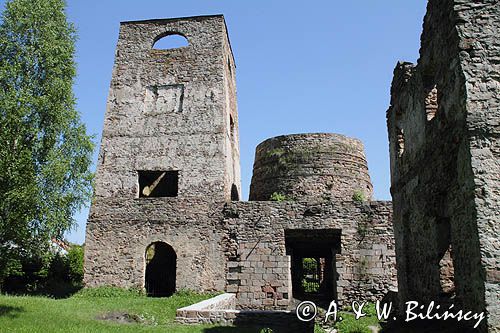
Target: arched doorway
[(160, 270)]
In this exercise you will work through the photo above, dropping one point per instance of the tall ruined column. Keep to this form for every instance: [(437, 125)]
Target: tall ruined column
[(444, 135)]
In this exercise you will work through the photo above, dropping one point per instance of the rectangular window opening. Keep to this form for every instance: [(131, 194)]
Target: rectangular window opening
[(155, 184)]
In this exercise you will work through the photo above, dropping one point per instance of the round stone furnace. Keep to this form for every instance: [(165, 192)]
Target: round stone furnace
[(310, 167)]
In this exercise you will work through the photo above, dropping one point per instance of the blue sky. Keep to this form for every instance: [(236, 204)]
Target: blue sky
[(302, 66)]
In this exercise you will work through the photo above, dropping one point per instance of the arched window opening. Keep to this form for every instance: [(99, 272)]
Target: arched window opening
[(445, 256), (170, 41), (447, 273), (431, 97), (231, 127), (235, 196), (400, 142), (229, 66), (161, 264)]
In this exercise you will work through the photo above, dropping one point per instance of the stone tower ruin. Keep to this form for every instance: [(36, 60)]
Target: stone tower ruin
[(444, 147), (171, 123), (167, 213), (172, 110)]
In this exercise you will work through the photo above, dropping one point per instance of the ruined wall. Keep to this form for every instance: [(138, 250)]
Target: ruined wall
[(232, 143), (119, 231), (313, 166), (480, 60), (240, 247), (443, 133), (167, 110), (175, 110), (259, 265)]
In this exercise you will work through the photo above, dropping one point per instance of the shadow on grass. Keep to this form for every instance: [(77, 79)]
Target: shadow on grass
[(238, 329), (261, 328), (10, 311), (430, 326), (55, 289), (259, 321), (60, 290)]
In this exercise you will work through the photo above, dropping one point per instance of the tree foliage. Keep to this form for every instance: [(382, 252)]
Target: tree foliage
[(75, 263), (54, 274), (45, 153)]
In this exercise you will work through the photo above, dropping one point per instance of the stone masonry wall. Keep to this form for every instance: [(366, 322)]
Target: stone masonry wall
[(443, 130), (312, 166), (167, 110), (232, 142), (258, 267), (120, 230), (480, 61), (175, 110), (240, 247)]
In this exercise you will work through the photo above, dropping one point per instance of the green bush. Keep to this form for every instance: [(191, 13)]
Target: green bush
[(58, 268), (75, 263), (358, 196), (67, 267), (52, 274), (279, 197)]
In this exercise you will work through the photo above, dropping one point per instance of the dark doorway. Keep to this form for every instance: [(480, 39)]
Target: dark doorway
[(313, 268), (160, 270)]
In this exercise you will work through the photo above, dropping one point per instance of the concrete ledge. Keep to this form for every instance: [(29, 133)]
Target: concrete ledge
[(221, 310), (224, 301), (208, 311)]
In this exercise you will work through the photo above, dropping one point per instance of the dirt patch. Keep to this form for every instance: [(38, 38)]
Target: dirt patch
[(122, 317)]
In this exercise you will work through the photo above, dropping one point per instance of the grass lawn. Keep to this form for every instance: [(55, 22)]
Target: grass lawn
[(350, 325), (79, 313)]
